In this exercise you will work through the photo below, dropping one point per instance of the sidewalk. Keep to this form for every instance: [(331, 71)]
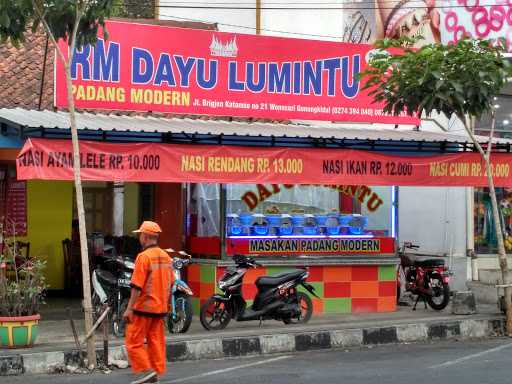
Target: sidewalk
[(56, 346)]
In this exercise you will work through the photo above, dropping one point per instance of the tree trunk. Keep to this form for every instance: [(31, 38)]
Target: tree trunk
[(84, 253), (502, 254), (86, 279)]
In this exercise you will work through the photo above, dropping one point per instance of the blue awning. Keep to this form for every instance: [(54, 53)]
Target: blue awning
[(10, 142)]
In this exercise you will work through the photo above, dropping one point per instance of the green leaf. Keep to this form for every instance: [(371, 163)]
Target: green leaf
[(5, 22), (457, 86), (459, 78)]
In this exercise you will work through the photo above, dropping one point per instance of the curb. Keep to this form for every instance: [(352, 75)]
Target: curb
[(215, 348)]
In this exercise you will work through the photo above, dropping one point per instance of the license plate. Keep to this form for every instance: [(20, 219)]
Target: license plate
[(123, 282)]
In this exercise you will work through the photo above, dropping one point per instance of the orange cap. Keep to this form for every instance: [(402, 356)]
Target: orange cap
[(149, 227)]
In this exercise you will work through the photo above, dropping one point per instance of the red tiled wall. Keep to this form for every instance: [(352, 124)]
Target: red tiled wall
[(342, 289)]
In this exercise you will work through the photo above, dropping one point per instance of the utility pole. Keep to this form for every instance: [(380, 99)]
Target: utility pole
[(258, 17)]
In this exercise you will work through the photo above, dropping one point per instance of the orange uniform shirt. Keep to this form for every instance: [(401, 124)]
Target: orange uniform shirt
[(152, 275)]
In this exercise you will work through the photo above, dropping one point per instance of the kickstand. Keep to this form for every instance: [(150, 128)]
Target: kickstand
[(416, 303), (75, 336), (261, 321)]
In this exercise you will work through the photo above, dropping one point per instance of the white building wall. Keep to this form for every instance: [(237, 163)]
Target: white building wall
[(327, 24), (435, 219), (318, 24), (241, 17)]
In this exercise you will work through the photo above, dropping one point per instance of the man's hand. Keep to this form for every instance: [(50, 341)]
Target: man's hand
[(127, 316)]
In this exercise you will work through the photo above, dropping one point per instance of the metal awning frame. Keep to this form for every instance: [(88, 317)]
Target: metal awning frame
[(377, 145)]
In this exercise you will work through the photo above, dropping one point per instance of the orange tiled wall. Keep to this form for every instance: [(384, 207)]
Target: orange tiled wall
[(342, 289)]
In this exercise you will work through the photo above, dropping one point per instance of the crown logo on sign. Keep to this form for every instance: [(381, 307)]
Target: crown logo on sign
[(217, 48)]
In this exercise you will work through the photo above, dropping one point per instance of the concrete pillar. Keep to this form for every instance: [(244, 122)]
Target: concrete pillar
[(118, 209), (470, 234)]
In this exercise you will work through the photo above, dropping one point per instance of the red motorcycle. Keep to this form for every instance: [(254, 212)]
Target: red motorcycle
[(428, 279)]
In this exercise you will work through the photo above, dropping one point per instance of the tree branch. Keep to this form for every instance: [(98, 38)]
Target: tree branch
[(41, 14), (467, 126), (78, 16), (491, 134)]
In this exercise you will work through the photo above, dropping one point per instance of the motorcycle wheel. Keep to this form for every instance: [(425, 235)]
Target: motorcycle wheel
[(214, 315), (97, 307), (306, 310), (441, 293), (183, 319), (118, 324)]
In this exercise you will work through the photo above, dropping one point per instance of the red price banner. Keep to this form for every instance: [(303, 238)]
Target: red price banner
[(151, 162)]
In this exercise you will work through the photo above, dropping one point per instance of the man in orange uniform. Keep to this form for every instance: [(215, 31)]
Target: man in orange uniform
[(148, 305)]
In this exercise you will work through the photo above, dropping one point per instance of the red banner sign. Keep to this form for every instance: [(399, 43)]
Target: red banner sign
[(298, 246), (162, 69), (151, 162)]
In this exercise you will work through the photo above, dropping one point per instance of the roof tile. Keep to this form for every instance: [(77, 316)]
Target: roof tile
[(21, 75)]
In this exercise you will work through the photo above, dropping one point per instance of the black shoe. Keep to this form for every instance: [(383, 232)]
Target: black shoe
[(145, 377)]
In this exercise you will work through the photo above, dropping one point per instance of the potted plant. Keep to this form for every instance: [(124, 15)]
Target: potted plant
[(22, 288)]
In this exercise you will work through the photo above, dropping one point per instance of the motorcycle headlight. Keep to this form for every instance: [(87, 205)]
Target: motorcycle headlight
[(224, 283)]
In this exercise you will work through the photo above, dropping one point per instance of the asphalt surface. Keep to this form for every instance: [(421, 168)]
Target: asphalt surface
[(476, 362)]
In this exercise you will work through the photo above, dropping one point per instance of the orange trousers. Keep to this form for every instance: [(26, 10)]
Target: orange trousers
[(147, 356)]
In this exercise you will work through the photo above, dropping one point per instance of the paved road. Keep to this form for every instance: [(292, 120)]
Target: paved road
[(483, 362)]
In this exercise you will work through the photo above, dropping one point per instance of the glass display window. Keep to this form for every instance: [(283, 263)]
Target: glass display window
[(485, 234), (282, 210), (294, 219)]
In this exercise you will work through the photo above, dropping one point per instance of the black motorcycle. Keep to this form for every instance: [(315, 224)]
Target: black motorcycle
[(277, 298), (111, 287)]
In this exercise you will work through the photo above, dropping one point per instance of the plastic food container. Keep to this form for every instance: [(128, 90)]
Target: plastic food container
[(345, 220), (260, 229), (332, 220), (358, 224), (309, 227), (246, 218), (310, 230), (233, 224), (274, 220), (297, 220), (260, 225), (285, 230), (321, 219), (235, 230), (333, 230)]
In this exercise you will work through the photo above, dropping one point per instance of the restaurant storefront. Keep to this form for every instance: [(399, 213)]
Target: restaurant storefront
[(290, 194), (335, 213)]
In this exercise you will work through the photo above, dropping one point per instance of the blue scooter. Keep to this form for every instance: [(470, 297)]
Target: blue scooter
[(180, 315)]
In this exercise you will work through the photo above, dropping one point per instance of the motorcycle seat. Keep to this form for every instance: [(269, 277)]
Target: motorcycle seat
[(429, 263), (278, 279), (105, 277)]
